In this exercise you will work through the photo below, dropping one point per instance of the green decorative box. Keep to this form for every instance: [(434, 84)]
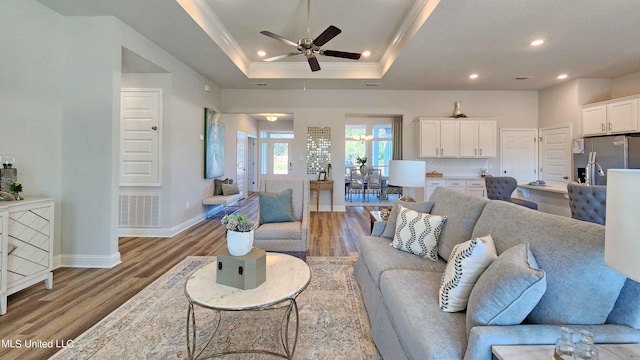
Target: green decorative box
[(242, 272)]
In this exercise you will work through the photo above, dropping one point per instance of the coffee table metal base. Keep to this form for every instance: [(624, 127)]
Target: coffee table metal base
[(284, 331)]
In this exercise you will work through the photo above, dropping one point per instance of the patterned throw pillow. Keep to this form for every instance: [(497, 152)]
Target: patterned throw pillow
[(466, 263), (418, 233), (390, 229)]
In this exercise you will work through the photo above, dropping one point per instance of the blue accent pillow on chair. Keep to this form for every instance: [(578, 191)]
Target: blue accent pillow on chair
[(275, 208)]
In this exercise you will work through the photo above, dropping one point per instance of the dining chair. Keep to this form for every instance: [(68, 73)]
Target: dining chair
[(588, 203), (501, 188), (374, 183), (356, 184)]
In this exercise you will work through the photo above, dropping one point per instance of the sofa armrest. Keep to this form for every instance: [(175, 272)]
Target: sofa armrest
[(378, 227), (304, 227), (481, 338)]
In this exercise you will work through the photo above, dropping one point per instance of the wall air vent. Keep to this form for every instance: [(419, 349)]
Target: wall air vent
[(371, 84), (260, 84), (139, 210), (524, 77)]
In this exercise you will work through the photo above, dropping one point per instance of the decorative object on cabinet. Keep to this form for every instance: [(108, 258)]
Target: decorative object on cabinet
[(621, 233), (26, 234), (434, 174), (213, 144), (7, 177), (457, 113), (318, 149), (16, 189), (7, 161), (406, 173)]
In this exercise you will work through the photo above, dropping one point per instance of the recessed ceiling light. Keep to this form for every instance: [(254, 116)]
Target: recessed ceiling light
[(261, 53), (562, 76), (473, 76), (537, 42), (366, 53)]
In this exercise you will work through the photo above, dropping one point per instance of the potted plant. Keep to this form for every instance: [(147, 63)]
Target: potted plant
[(16, 189), (361, 161), (239, 233)]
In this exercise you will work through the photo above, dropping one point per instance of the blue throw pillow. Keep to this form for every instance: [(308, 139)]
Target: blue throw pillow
[(275, 208), (508, 290)]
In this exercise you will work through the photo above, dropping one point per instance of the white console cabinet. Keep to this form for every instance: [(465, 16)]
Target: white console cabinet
[(26, 254)]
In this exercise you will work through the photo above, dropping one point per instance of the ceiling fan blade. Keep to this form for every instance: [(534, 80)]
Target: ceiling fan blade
[(341, 54), (281, 56), (279, 38), (327, 35), (313, 62)]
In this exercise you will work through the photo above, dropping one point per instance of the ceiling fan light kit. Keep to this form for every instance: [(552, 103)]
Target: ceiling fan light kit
[(311, 47)]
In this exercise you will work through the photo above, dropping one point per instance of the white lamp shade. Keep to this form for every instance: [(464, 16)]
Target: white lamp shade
[(622, 232), (409, 173)]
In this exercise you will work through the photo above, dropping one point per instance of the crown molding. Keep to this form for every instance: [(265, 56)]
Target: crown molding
[(300, 70), (204, 16)]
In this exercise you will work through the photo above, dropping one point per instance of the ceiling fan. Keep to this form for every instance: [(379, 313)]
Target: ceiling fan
[(311, 47)]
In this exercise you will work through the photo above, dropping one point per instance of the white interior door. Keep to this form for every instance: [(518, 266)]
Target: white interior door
[(276, 158), (140, 137), (555, 154), (241, 162), (252, 152), (519, 154)]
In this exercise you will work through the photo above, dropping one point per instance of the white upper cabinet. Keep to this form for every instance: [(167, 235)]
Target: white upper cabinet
[(449, 138), (617, 116), (478, 138), (429, 138)]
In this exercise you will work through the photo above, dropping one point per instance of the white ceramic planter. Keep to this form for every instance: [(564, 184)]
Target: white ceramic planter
[(239, 243)]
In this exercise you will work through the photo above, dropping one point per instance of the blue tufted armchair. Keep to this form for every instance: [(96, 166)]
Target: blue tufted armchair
[(588, 203), (501, 188)]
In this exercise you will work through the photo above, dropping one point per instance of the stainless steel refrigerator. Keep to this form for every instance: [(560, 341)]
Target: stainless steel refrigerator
[(612, 152)]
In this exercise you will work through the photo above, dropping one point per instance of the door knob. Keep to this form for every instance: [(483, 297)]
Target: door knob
[(565, 177), (154, 128)]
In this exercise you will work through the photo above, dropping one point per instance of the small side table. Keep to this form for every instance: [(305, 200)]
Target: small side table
[(375, 215), (287, 277), (545, 352), (318, 185)]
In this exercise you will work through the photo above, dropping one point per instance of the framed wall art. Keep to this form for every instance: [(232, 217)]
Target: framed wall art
[(213, 144)]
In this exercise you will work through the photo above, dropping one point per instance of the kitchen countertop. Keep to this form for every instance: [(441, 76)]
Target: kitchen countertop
[(454, 177), (560, 188)]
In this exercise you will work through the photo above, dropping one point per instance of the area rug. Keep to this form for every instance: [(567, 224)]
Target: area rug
[(151, 325)]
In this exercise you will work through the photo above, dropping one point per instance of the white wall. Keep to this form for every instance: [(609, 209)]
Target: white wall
[(626, 85), (232, 124), (513, 109), (31, 48)]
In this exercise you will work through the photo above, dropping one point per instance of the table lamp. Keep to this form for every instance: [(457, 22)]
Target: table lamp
[(622, 232), (406, 173)]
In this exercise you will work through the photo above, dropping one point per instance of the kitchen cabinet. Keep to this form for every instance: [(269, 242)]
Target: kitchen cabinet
[(26, 254), (439, 138), (618, 116), (478, 138), (453, 138), (464, 185)]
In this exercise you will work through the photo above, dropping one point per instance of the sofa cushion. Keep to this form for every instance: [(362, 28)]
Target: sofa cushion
[(418, 233), (581, 288), (627, 308), (380, 257), (466, 263), (508, 290), (411, 298), (275, 208), (462, 212), (390, 229)]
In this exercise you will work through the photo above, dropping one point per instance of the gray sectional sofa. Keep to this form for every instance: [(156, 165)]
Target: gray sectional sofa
[(400, 290)]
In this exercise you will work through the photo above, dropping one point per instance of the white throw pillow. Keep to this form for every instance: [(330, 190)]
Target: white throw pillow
[(418, 233), (467, 262)]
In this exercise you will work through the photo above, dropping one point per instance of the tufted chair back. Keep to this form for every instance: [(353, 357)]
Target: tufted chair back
[(500, 187), (588, 203)]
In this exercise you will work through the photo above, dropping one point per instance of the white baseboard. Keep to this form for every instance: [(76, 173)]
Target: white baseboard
[(86, 261), (162, 232)]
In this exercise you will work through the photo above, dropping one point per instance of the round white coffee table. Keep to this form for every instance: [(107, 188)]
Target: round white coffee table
[(286, 278)]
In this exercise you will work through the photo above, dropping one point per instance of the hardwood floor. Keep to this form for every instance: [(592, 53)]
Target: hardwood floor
[(81, 297)]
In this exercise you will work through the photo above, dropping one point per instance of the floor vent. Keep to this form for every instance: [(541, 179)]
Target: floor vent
[(139, 210)]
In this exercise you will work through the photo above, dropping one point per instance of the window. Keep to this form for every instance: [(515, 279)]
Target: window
[(378, 149), (275, 153)]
